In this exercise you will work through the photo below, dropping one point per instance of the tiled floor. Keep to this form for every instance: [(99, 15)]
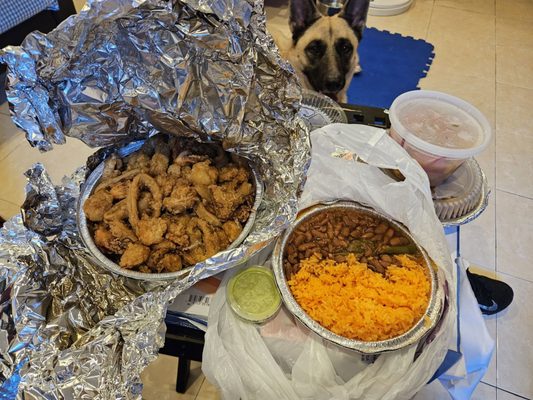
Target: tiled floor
[(484, 53)]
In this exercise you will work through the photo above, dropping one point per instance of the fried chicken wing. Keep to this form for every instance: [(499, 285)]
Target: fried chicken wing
[(135, 254), (97, 205)]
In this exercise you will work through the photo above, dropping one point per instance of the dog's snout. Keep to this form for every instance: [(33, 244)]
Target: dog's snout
[(334, 85)]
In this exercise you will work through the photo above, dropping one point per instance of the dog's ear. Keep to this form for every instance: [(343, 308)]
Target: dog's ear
[(355, 13), (302, 15)]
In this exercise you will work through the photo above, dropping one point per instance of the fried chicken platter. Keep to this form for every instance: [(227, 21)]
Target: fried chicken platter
[(171, 204)]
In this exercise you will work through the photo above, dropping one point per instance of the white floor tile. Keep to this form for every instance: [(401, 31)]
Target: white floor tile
[(62, 160), (514, 142), (478, 238), (4, 108), (10, 136), (503, 395), (8, 209), (477, 6), (414, 22), (484, 392), (514, 219), (514, 66), (515, 340)]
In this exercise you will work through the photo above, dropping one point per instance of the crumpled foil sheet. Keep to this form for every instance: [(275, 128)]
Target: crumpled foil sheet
[(123, 70)]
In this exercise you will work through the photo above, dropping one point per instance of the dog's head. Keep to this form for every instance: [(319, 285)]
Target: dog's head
[(324, 51)]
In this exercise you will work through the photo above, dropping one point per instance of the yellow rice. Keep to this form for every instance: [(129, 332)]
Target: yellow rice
[(353, 301)]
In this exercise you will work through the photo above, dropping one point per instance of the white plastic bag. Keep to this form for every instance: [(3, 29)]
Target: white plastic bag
[(283, 360)]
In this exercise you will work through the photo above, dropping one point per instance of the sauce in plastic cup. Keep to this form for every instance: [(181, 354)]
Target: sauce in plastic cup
[(438, 130)]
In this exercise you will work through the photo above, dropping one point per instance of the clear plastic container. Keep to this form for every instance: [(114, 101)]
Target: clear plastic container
[(438, 130), (252, 294)]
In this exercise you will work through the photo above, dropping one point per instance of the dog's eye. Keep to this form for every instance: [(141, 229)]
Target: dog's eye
[(344, 47), (315, 49)]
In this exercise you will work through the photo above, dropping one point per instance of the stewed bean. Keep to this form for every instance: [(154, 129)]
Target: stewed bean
[(335, 234)]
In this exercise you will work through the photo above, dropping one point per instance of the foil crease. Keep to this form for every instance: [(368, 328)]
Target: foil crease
[(121, 71)]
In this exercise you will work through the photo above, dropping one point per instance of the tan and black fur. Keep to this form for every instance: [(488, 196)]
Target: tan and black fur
[(323, 49)]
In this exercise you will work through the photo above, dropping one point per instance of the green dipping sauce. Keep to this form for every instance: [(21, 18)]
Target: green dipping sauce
[(252, 294)]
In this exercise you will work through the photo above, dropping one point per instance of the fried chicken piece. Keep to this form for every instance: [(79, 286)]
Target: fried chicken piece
[(138, 160), (112, 167), (163, 258), (120, 190), (135, 254), (225, 202), (158, 164), (119, 211), (170, 263), (158, 252), (209, 238), (166, 182), (222, 238), (203, 173), (234, 173), (182, 198), (106, 241), (121, 231), (232, 229), (204, 214), (194, 256), (174, 170), (151, 231), (97, 204), (203, 192), (177, 230), (242, 213)]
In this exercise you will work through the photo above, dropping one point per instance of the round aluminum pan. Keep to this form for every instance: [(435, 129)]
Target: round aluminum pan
[(101, 259), (426, 323)]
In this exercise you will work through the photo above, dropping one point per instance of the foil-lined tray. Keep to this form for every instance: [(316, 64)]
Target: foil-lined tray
[(369, 348), (103, 261)]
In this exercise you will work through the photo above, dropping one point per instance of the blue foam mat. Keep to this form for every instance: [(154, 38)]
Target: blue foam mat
[(392, 64)]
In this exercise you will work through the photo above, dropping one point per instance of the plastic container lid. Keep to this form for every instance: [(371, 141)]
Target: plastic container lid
[(253, 295), (460, 193), (440, 124), (318, 110)]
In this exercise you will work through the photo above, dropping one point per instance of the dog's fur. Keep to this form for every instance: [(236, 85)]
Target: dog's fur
[(323, 49)]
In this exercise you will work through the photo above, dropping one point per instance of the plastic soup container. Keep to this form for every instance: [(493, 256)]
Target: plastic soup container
[(438, 130)]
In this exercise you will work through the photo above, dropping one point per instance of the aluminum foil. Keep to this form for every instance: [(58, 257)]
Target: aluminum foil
[(123, 70)]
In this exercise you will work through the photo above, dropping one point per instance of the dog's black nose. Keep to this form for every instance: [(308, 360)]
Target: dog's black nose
[(334, 85)]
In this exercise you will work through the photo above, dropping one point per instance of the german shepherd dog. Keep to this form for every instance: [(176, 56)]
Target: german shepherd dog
[(323, 49)]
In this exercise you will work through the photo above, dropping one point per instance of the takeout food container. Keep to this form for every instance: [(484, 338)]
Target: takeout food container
[(438, 130), (253, 296), (102, 260), (416, 333)]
